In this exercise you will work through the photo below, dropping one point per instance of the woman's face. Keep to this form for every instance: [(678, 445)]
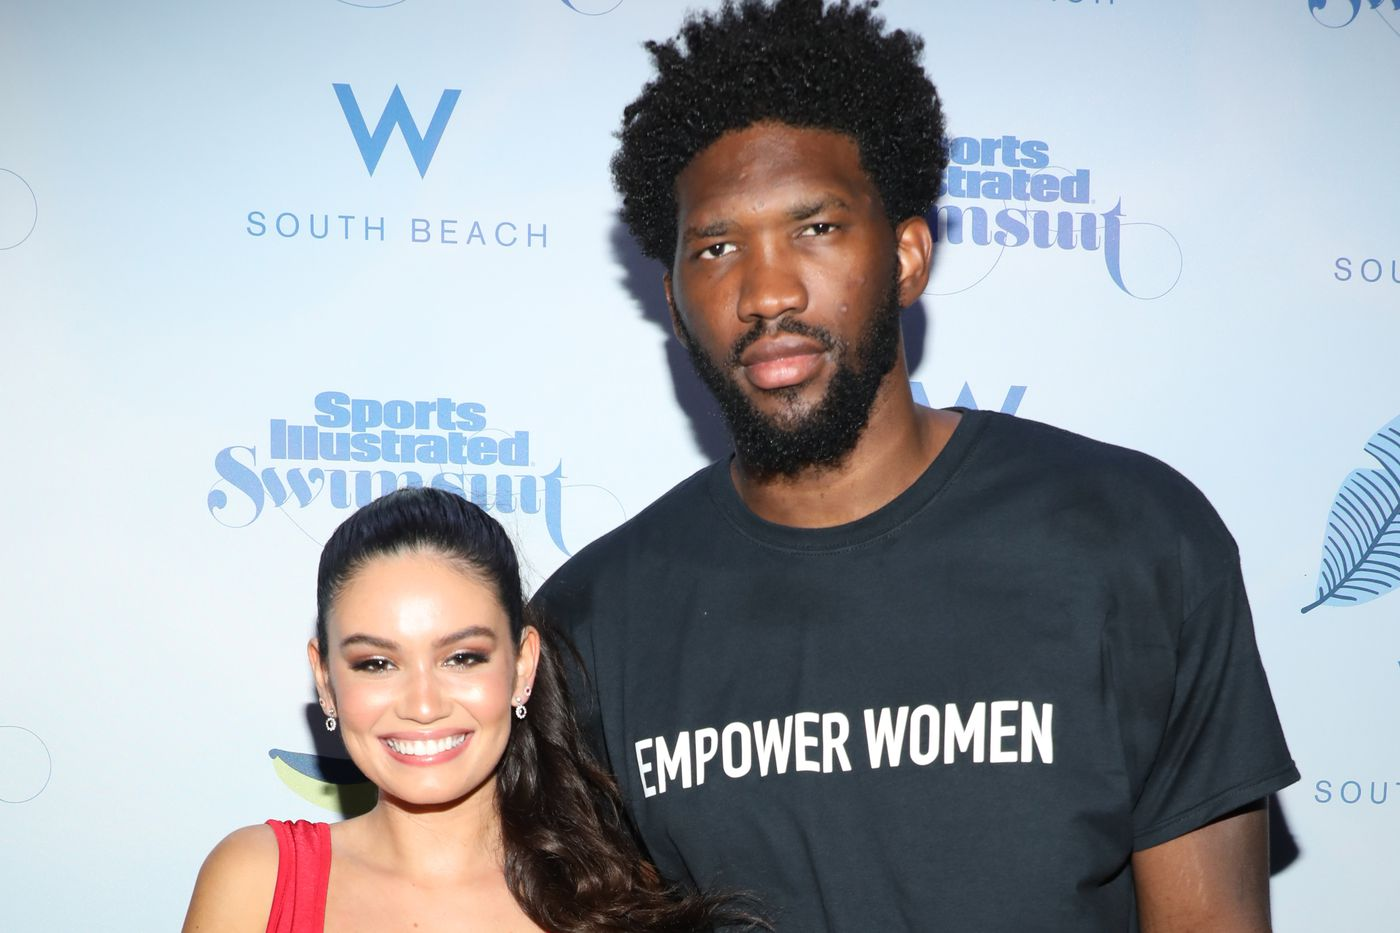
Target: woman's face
[(421, 671)]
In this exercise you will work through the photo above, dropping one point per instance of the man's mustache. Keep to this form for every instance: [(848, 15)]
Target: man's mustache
[(784, 325)]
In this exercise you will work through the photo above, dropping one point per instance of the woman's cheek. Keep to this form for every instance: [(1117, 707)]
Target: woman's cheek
[(362, 704), (483, 694)]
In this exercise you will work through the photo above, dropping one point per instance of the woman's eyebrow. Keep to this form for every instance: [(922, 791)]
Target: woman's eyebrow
[(472, 631), (383, 644)]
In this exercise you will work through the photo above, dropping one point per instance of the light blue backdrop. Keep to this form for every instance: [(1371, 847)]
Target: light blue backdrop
[(195, 257)]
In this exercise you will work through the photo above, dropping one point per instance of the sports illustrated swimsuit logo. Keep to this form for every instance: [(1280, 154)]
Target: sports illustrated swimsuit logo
[(1002, 193), (1361, 549), (422, 145), (1334, 14), (358, 449)]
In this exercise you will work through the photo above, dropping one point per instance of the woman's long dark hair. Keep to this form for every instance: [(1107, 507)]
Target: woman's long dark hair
[(570, 859)]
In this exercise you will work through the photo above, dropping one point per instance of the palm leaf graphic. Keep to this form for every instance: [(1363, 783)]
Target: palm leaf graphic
[(1361, 552)]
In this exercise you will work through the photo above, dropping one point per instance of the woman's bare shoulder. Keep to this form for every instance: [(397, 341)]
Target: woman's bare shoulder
[(233, 893)]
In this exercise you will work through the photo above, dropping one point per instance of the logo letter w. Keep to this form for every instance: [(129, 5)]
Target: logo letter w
[(395, 113)]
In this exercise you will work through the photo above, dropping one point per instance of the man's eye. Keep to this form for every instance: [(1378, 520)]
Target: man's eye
[(820, 228), (372, 665), (465, 659), (716, 250)]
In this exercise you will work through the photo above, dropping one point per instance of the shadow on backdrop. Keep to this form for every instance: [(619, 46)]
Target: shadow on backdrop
[(324, 744), (346, 789), (642, 279), (1283, 848)]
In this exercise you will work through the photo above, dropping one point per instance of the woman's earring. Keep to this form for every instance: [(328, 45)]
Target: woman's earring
[(527, 691), (520, 705), (330, 718)]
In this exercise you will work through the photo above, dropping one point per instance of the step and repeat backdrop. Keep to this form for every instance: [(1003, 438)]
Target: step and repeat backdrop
[(261, 261)]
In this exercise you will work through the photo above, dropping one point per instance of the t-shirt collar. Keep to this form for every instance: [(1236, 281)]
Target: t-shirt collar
[(920, 494)]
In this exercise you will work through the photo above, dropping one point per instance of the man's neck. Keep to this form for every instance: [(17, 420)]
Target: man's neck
[(896, 447)]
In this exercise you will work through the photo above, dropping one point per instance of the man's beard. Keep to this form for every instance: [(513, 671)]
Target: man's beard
[(789, 443)]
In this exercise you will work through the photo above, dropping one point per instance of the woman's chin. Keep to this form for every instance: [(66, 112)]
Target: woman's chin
[(432, 797)]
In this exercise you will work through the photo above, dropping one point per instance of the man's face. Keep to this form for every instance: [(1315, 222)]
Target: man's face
[(785, 291)]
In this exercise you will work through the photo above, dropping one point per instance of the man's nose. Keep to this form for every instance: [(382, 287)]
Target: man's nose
[(772, 285)]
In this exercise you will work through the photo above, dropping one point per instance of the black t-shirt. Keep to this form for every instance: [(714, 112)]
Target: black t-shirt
[(962, 712)]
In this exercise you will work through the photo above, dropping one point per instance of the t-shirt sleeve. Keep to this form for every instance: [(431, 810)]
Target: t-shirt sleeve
[(1222, 746)]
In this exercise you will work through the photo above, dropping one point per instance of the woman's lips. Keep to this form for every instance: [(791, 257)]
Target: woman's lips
[(417, 750)]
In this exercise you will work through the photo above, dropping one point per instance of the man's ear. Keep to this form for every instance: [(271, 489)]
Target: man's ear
[(914, 247), (676, 327)]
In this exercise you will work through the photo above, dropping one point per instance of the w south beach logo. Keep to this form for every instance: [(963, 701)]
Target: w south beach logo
[(1361, 549), (367, 222), (1334, 14), (422, 146), (1002, 194)]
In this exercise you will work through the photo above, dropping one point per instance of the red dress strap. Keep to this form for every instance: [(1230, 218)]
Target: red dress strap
[(303, 874)]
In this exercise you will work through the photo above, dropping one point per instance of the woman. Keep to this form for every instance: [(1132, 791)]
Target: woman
[(490, 816)]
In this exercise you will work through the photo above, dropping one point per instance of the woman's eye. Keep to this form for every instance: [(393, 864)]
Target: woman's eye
[(372, 665), (466, 659)]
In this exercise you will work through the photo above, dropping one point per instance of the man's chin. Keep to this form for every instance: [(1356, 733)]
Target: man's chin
[(783, 430), (783, 421), (784, 442)]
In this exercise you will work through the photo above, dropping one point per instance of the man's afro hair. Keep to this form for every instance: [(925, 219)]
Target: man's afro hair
[(799, 62)]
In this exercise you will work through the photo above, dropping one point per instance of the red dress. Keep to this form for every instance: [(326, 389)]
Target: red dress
[(303, 873)]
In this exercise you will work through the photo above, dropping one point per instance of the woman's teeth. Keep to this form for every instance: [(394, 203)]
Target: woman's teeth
[(425, 746)]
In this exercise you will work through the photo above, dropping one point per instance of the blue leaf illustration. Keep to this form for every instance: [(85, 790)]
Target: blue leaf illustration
[(320, 767), (1361, 553)]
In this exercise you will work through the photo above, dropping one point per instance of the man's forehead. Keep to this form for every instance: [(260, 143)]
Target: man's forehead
[(778, 143), (773, 165)]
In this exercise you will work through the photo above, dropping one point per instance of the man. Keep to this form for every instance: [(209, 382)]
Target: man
[(893, 668)]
